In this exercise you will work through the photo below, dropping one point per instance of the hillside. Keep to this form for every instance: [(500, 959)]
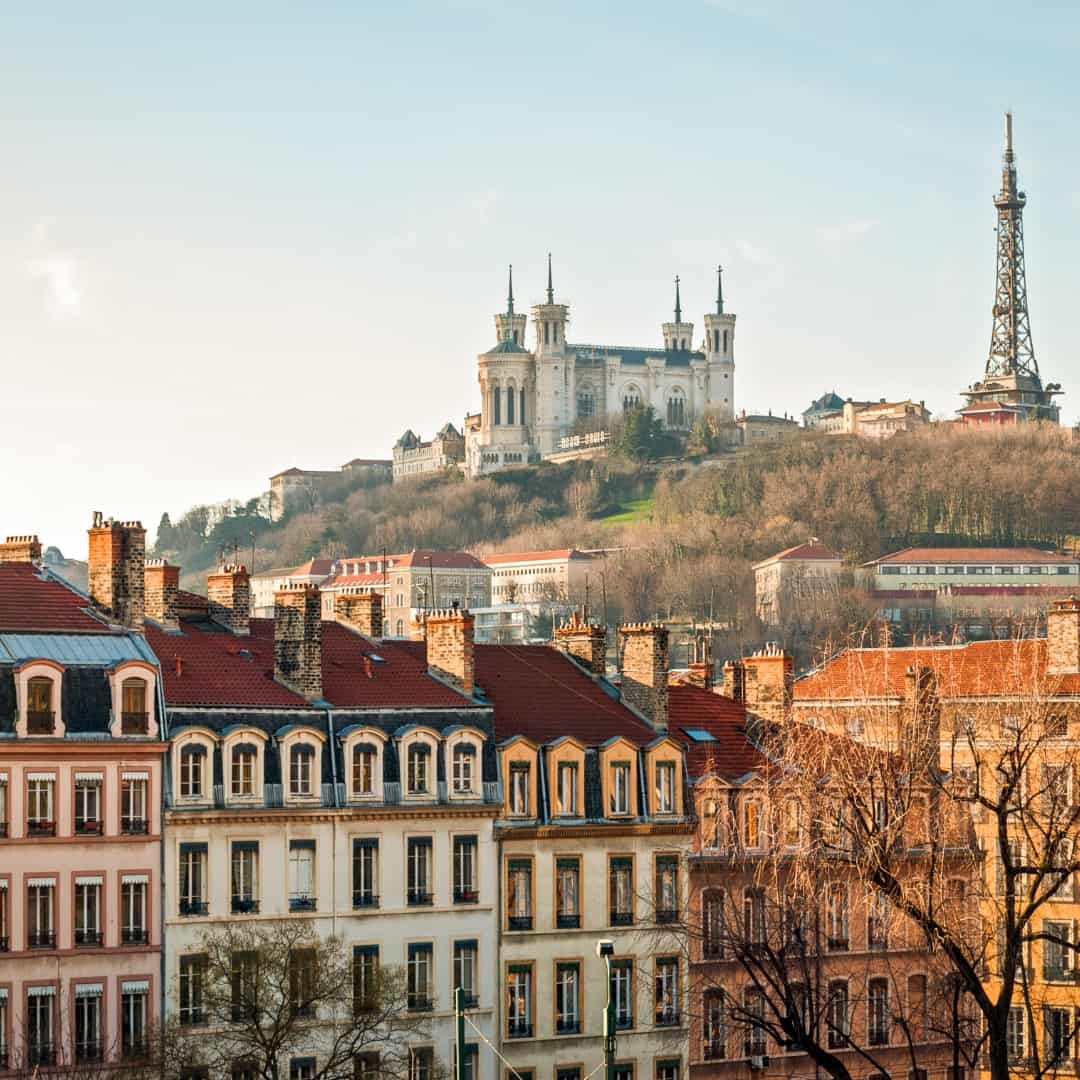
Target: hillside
[(690, 532)]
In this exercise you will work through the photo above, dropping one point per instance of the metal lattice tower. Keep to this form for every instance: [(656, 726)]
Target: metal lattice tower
[(1011, 351)]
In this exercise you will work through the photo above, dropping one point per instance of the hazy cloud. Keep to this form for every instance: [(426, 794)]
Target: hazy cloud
[(62, 285), (840, 238)]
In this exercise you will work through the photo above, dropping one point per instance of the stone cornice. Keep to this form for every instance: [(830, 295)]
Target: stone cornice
[(252, 815)]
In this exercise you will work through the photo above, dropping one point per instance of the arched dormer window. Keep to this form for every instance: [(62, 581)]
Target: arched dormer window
[(134, 716), (40, 714), (242, 760), (193, 769), (463, 758), (301, 770), (566, 766), (363, 756), (38, 685), (132, 686), (301, 750), (418, 769)]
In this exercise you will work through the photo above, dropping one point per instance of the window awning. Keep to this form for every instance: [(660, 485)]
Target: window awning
[(41, 991), (42, 882), (136, 986), (134, 776), (89, 777), (41, 776), (90, 879), (89, 989), (135, 879)]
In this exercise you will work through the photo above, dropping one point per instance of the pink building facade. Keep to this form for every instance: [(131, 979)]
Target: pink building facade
[(80, 828)]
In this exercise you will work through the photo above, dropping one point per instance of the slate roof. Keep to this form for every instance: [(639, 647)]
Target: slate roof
[(218, 668), (633, 354), (507, 345), (32, 598), (813, 550), (827, 403)]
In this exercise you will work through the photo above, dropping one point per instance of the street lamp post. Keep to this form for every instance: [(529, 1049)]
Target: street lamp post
[(605, 949)]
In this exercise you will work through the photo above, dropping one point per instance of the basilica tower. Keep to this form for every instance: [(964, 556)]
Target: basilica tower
[(678, 335), (720, 355), (554, 400)]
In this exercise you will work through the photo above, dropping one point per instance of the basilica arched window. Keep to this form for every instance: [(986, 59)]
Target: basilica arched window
[(725, 341), (631, 398), (496, 404), (676, 409), (516, 342), (716, 341), (586, 401), (521, 414), (510, 405)]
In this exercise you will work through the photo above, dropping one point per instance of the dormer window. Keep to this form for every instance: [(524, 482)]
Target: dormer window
[(363, 769), (463, 768), (620, 788), (568, 788), (301, 769), (519, 788), (242, 770), (192, 762), (419, 769), (665, 787), (134, 717), (40, 715)]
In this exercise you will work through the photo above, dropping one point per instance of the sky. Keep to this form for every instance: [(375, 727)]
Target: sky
[(237, 237)]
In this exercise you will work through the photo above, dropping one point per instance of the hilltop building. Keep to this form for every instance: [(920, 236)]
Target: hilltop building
[(870, 419), (533, 399), (797, 576), (1012, 374), (412, 457), (302, 489)]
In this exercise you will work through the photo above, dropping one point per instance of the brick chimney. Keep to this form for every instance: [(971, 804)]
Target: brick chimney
[(20, 549), (298, 638), (1063, 637), (117, 565), (585, 641), (733, 680), (645, 671), (450, 648), (701, 667), (228, 593), (768, 678), (361, 611), (920, 720), (161, 591)]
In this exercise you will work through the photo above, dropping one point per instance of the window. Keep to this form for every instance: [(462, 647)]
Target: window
[(88, 804), (466, 889), (586, 402), (567, 893), (836, 917), (365, 870), (242, 773), (88, 911), (3, 806), (40, 817), (40, 718), (301, 762), (676, 410), (1057, 951), (193, 883), (621, 886), (5, 942), (877, 921), (838, 1015), (622, 992), (568, 788), (715, 1029), (40, 924), (190, 989), (519, 894), (245, 877), (133, 1018), (40, 1044), (665, 787), (567, 999), (419, 977), (192, 761), (519, 789), (244, 978), (133, 803), (419, 761), (134, 716), (754, 916), (1058, 1033), (712, 911), (464, 768), (751, 831), (619, 800), (878, 1012), (519, 1002), (418, 858), (302, 1068), (363, 769), (88, 1022), (365, 977), (668, 1070), (303, 982), (465, 970), (666, 981), (1014, 1032), (421, 1063), (302, 875), (667, 888)]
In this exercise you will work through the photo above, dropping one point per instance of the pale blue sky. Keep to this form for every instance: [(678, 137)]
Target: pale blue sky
[(236, 236)]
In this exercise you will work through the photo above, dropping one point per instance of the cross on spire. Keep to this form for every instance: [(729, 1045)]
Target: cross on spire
[(550, 290), (510, 293), (719, 290), (678, 302)]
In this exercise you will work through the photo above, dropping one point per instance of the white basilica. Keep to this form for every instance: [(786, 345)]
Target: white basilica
[(531, 399)]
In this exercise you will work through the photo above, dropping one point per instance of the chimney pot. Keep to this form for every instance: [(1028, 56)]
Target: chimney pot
[(161, 589), (585, 641), (645, 671), (20, 549), (450, 647), (298, 638), (361, 611), (1063, 637), (228, 594), (117, 568)]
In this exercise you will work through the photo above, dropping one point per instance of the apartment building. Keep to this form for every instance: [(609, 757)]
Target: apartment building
[(795, 579), (80, 821)]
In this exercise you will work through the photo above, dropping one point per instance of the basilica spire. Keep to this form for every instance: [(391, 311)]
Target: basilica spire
[(719, 290), (510, 293), (678, 302), (550, 290)]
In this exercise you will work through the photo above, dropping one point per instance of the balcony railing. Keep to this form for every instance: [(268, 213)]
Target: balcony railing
[(519, 922), (88, 827), (666, 915), (837, 944), (470, 1000), (420, 898), (134, 723), (361, 898), (134, 935), (194, 907), (41, 939), (567, 922), (567, 1026), (622, 918), (420, 1003), (667, 1016), (40, 722), (134, 1048), (518, 1029), (86, 939), (466, 896), (42, 1053), (302, 903), (878, 1036), (41, 828), (134, 826), (88, 1051), (714, 1050), (245, 905), (1057, 973), (4, 944)]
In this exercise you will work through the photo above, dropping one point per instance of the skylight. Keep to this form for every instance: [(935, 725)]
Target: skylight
[(698, 734)]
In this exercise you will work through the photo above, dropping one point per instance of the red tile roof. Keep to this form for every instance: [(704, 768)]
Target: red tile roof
[(812, 550), (313, 568), (978, 668), (539, 693), (732, 755), (989, 406), (32, 599), (972, 555), (219, 668), (534, 556), (191, 601), (440, 560)]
